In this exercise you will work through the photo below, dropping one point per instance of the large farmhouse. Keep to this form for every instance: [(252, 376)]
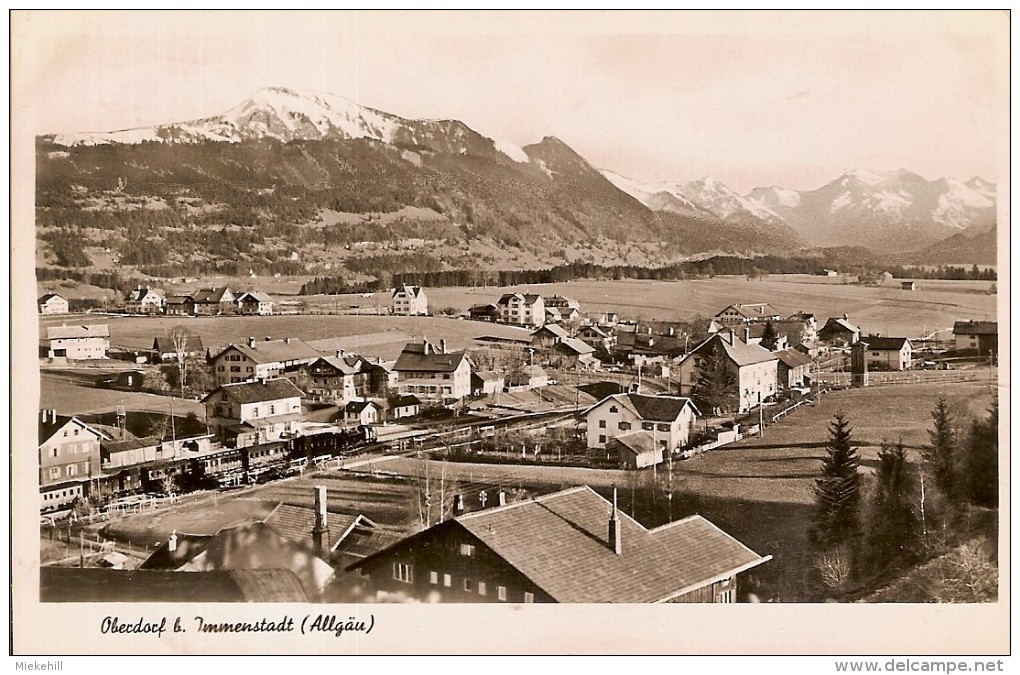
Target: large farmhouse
[(572, 546), (755, 368), (432, 373)]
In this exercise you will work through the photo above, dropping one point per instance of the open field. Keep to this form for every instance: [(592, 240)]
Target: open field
[(382, 336), (886, 310), (76, 396)]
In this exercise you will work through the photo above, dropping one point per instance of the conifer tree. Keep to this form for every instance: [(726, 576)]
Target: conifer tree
[(837, 492), (716, 387), (769, 336), (982, 460), (893, 532), (940, 455)]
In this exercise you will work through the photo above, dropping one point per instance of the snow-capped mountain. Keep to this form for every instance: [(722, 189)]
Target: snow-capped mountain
[(897, 210), (286, 115)]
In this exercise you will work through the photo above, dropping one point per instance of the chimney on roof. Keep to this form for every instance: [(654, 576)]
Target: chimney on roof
[(442, 346), (172, 542), (320, 530), (747, 334), (269, 338), (251, 341), (340, 353), (845, 317), (615, 539), (286, 340), (458, 505), (501, 498), (730, 336)]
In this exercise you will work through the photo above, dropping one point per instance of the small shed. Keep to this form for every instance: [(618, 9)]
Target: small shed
[(636, 450), (908, 285)]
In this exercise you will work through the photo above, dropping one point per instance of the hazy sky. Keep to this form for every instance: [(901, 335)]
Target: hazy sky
[(751, 98)]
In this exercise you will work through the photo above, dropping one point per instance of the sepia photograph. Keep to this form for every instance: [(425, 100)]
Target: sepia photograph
[(363, 332)]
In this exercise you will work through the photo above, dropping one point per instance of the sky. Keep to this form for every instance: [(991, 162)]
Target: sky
[(750, 98)]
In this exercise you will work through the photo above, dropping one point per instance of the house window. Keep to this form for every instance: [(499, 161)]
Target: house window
[(613, 409), (272, 409), (501, 593), (481, 588), (55, 452), (55, 472), (468, 585), (467, 550), (447, 580), (663, 427), (602, 438), (72, 469), (433, 577), (221, 368), (402, 572), (647, 426), (529, 597), (624, 426), (602, 424)]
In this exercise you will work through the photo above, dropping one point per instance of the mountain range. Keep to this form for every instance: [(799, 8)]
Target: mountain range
[(284, 162)]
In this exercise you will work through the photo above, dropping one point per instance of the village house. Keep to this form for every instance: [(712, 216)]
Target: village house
[(339, 378), (249, 413), (735, 315), (78, 342), (410, 301), (255, 303), (165, 348), (487, 382), (69, 458), (548, 335), (489, 312), (522, 309), (144, 300), (51, 303), (755, 368), (572, 546), (888, 353), (179, 305), (258, 360), (839, 332), (402, 406), (567, 309), (214, 301), (980, 336), (668, 420), (432, 373), (362, 412), (602, 340), (572, 354), (793, 368)]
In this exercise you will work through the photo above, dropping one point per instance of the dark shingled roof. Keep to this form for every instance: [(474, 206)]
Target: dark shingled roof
[(404, 400), (560, 542), (131, 444), (255, 392), (423, 357), (893, 344), (209, 296), (793, 358), (975, 328), (75, 584), (658, 408), (358, 406)]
